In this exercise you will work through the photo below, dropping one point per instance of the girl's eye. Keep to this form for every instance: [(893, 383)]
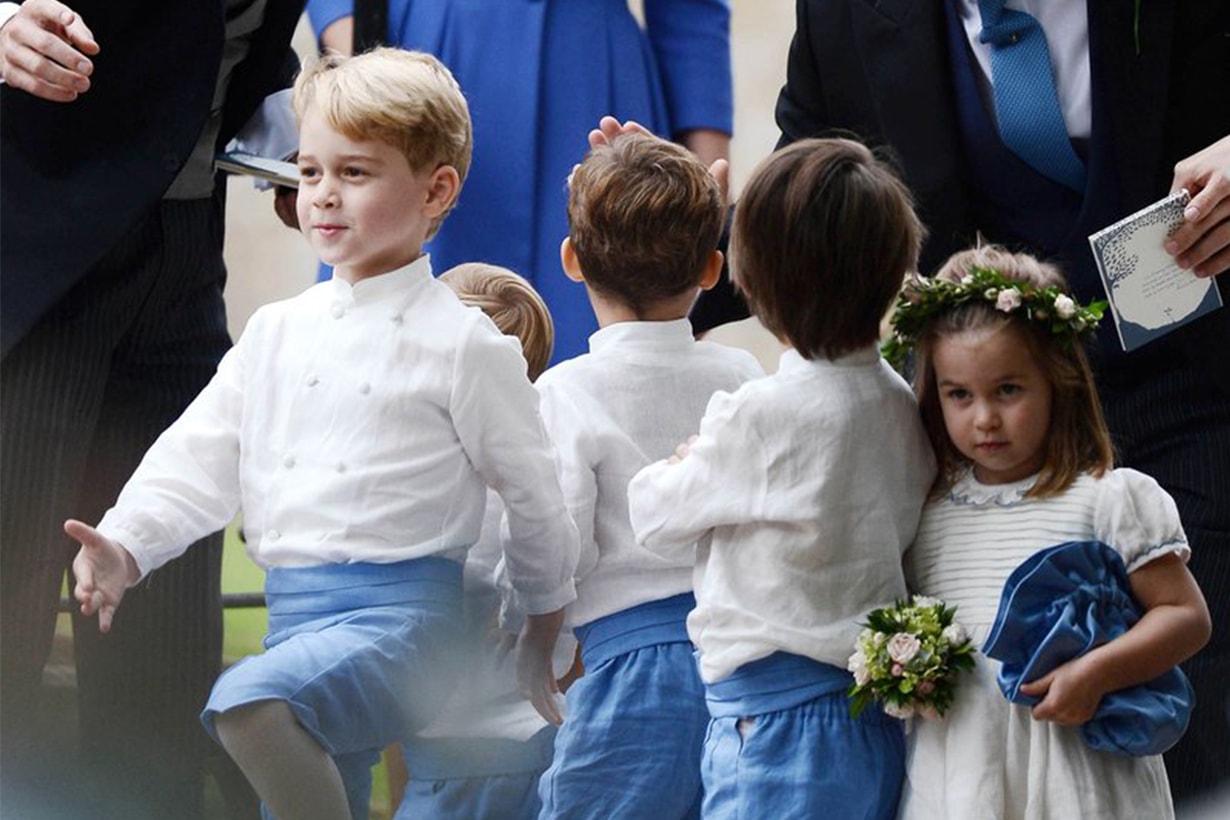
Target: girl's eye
[(957, 393), (307, 173), (1009, 389), (352, 171)]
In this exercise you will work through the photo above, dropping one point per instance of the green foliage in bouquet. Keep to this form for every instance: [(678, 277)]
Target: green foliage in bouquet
[(908, 657)]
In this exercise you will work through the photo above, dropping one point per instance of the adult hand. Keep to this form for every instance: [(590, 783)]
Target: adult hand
[(1202, 243), (45, 49), (710, 147), (103, 569), (535, 674)]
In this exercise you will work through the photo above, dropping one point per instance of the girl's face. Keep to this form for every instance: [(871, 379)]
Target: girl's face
[(996, 402)]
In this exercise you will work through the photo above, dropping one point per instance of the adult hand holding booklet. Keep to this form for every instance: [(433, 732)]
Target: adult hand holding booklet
[(1149, 294)]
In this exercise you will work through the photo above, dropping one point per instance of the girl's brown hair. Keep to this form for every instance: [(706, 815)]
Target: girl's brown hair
[(1078, 440)]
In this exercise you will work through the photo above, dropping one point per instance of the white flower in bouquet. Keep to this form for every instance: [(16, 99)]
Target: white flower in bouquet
[(907, 658), (902, 647)]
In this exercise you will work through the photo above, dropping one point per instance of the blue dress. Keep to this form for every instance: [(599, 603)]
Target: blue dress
[(538, 75)]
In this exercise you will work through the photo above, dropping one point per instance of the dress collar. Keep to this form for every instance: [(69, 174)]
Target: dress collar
[(969, 491)]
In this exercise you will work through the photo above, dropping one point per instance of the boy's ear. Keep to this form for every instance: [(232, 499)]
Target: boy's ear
[(442, 190), (713, 271), (568, 259)]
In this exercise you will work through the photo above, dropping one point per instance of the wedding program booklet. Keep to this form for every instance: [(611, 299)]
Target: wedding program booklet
[(1149, 294), (276, 171)]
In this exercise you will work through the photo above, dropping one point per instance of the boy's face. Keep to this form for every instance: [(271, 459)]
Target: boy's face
[(362, 208)]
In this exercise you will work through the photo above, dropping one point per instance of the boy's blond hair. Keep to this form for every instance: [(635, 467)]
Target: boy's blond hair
[(513, 305), (406, 99), (644, 217)]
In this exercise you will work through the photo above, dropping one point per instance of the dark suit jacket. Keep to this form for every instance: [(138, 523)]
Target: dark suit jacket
[(881, 69), (75, 176)]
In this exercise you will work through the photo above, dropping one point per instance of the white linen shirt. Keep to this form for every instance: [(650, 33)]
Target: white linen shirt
[(808, 485), (360, 423), (638, 393)]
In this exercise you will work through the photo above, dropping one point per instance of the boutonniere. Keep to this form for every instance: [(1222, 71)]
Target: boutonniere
[(1136, 25)]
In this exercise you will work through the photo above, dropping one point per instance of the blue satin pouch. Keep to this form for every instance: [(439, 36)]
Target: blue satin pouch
[(1062, 602)]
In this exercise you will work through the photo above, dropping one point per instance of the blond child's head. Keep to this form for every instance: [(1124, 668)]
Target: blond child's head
[(512, 304), (644, 219), (824, 233), (1037, 321), (406, 99)]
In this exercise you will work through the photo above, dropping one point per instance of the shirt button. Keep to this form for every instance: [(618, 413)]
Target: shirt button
[(396, 318), (341, 467), (311, 380), (337, 311), (365, 388), (273, 535), (288, 462)]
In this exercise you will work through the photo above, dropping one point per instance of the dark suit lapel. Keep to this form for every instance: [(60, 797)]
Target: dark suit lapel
[(904, 53)]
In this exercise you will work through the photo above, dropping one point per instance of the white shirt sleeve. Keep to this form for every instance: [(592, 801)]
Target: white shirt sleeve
[(495, 412), (565, 425), (7, 10), (187, 485), (1138, 518)]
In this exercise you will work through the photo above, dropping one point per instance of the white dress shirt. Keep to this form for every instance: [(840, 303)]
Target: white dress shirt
[(360, 423), (808, 484), (638, 393)]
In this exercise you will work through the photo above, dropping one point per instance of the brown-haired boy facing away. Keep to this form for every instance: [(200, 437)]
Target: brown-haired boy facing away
[(645, 216)]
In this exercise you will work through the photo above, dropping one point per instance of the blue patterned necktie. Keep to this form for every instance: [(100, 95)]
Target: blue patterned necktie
[(1026, 103)]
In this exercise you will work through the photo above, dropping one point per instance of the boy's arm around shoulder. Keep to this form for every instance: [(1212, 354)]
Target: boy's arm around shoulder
[(716, 479)]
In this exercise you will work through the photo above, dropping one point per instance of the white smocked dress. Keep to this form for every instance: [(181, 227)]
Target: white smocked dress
[(988, 758)]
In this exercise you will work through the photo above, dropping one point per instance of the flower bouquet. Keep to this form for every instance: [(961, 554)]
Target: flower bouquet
[(907, 657)]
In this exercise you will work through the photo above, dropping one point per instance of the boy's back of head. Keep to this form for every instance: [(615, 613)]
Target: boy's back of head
[(823, 236), (644, 218), (512, 304), (406, 99)]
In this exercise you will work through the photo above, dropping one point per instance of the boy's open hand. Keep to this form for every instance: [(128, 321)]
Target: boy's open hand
[(535, 675), (104, 570)]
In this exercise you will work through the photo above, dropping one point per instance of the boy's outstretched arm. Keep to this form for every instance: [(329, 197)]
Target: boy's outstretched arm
[(535, 673), (104, 570)]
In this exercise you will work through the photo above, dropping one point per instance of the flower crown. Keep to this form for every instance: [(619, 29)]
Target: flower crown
[(922, 299)]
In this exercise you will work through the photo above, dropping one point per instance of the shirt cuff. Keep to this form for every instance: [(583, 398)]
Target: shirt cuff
[(7, 10)]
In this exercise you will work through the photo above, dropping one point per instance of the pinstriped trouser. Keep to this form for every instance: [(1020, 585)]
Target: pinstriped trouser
[(83, 397), (1175, 426)]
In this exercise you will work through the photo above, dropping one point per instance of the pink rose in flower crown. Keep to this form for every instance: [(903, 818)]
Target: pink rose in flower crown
[(1009, 299), (902, 647)]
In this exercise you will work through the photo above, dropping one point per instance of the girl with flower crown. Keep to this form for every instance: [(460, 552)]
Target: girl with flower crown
[(1025, 463)]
